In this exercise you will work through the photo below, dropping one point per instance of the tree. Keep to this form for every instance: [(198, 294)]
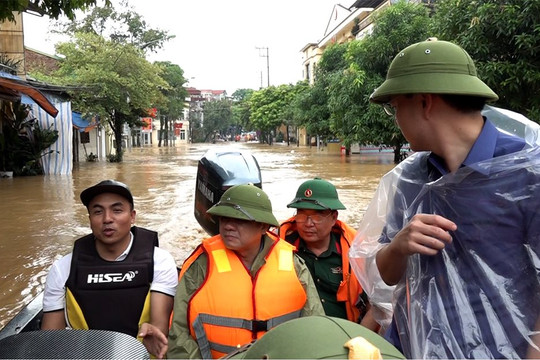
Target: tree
[(312, 109), (120, 84), (22, 140), (395, 28), (242, 94), (9, 65), (217, 118), (175, 96), (122, 25), (269, 109), (106, 57), (52, 8), (241, 111), (502, 37)]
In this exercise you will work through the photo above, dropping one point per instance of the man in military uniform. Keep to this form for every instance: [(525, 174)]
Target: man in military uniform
[(239, 284), (323, 242)]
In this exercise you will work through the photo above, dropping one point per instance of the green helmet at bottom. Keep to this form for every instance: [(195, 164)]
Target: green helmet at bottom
[(315, 337), (245, 202)]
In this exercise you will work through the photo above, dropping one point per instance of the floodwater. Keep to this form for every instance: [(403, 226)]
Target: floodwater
[(41, 216)]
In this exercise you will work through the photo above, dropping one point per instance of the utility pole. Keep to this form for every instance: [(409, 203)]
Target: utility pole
[(267, 56)]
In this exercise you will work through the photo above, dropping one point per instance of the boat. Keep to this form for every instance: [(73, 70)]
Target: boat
[(217, 171)]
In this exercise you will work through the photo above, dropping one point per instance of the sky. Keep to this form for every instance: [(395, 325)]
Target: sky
[(216, 40)]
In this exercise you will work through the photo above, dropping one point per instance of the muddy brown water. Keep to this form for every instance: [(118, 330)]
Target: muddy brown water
[(41, 216)]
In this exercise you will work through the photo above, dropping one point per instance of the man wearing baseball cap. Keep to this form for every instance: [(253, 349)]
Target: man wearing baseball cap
[(238, 284), (323, 242), (115, 278), (461, 233)]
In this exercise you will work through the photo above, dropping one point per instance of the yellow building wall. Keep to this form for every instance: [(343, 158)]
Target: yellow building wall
[(12, 41)]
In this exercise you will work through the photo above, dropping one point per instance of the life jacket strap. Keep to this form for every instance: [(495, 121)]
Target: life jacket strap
[(254, 326)]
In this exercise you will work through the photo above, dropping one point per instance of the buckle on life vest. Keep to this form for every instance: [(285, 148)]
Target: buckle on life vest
[(259, 325)]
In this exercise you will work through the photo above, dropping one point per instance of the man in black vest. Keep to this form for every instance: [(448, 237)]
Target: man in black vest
[(135, 278)]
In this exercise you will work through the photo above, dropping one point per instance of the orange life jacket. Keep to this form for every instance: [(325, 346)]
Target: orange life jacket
[(349, 288), (231, 308)]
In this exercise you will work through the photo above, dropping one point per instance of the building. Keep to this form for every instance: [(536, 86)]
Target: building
[(48, 105), (40, 61), (209, 95), (345, 24)]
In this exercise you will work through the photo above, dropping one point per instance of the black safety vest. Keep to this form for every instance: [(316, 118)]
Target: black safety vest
[(111, 294)]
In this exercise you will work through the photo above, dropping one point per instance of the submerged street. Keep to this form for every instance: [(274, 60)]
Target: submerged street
[(43, 215)]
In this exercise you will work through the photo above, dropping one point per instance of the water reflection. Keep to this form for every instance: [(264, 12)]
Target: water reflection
[(42, 216)]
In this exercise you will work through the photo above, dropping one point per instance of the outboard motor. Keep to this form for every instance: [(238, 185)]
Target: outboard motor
[(217, 171)]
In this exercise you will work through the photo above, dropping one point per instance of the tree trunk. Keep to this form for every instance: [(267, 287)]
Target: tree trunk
[(166, 131), (118, 125), (397, 154), (160, 130)]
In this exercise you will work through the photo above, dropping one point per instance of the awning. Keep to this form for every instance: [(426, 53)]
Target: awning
[(81, 124), (11, 89)]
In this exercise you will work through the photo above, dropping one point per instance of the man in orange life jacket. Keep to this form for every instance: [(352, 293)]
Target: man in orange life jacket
[(116, 278), (323, 242), (240, 283)]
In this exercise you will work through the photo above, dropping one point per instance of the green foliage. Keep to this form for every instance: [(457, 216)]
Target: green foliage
[(11, 66), (241, 110), (174, 98), (353, 118), (122, 25), (271, 107), (312, 102), (337, 105), (51, 8), (106, 61), (175, 95), (195, 125), (217, 118), (117, 83), (242, 94), (311, 105), (502, 37), (23, 142)]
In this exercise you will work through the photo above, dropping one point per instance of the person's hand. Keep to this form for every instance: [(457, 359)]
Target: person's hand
[(425, 234), (154, 340)]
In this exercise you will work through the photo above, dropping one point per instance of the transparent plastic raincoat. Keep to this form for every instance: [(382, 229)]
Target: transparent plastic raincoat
[(480, 296)]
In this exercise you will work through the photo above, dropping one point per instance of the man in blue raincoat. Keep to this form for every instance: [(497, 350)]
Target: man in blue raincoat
[(460, 238)]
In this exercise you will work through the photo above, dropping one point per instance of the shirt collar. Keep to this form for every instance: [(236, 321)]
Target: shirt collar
[(124, 254), (482, 149)]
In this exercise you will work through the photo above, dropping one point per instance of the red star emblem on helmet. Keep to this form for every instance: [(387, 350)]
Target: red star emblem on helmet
[(308, 193)]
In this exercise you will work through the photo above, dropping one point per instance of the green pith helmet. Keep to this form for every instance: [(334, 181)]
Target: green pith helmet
[(314, 337), (316, 194), (432, 67), (246, 202)]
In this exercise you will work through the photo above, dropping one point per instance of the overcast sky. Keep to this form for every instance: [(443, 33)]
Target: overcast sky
[(216, 40)]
